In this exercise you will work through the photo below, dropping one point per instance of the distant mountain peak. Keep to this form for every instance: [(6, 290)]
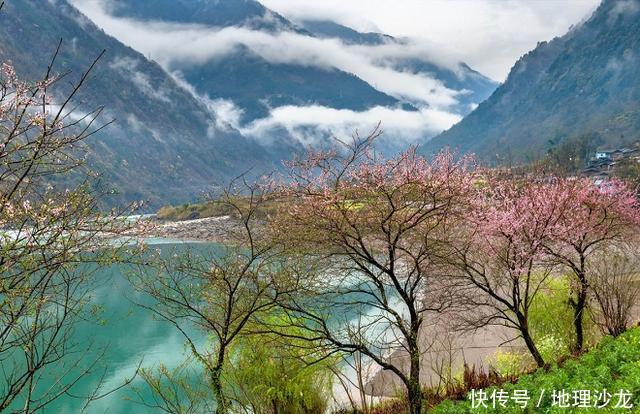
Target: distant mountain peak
[(216, 13), (331, 29), (583, 83)]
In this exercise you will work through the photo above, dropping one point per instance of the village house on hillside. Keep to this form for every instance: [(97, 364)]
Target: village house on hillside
[(604, 162)]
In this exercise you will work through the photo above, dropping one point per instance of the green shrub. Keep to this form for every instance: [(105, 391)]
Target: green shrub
[(510, 364), (551, 320), (551, 324), (613, 365), (271, 374), (194, 211)]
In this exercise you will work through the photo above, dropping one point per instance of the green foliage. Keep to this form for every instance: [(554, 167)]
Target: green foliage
[(274, 374), (551, 320), (176, 390), (553, 347), (613, 365), (551, 325), (511, 364)]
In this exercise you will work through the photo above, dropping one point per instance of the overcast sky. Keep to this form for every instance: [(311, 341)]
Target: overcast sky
[(489, 35)]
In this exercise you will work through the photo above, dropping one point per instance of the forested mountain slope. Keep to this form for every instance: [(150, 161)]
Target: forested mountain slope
[(582, 84)]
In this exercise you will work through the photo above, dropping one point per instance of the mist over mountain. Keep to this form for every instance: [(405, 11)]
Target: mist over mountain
[(582, 84), (263, 74), (204, 90), (474, 86), (164, 145), (242, 76)]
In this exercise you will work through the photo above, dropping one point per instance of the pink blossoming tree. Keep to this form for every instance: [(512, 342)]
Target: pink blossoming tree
[(519, 232), (500, 255), (46, 233), (374, 230), (588, 219)]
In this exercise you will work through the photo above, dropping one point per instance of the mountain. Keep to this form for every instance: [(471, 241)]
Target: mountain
[(222, 13), (165, 145), (261, 61), (328, 29), (262, 85), (476, 86), (567, 90), (243, 77), (233, 93)]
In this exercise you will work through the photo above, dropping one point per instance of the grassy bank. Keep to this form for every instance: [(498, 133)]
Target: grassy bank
[(612, 366), (193, 211)]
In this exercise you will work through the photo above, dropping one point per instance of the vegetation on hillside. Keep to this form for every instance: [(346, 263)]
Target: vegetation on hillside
[(583, 83), (215, 208), (163, 146), (608, 374)]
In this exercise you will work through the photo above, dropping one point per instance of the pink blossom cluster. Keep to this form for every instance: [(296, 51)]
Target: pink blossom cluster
[(25, 104), (522, 223)]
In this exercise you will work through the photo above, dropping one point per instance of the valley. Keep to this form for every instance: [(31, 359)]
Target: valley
[(319, 207)]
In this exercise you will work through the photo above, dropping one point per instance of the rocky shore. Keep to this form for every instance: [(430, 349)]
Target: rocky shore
[(210, 229)]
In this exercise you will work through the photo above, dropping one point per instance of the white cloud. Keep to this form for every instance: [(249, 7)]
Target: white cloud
[(170, 44), (140, 79), (617, 65), (228, 115), (174, 45), (622, 7), (489, 35), (311, 123)]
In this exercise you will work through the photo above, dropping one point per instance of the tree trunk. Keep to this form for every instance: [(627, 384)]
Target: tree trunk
[(579, 306), (415, 396), (216, 384), (531, 346), (414, 389), (523, 322)]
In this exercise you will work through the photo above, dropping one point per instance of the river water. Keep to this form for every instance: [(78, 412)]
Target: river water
[(122, 335)]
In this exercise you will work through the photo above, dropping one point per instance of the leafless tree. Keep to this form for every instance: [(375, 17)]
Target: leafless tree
[(220, 294), (616, 287)]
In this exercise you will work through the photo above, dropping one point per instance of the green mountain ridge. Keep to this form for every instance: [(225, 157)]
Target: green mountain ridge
[(583, 83), (164, 145)]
